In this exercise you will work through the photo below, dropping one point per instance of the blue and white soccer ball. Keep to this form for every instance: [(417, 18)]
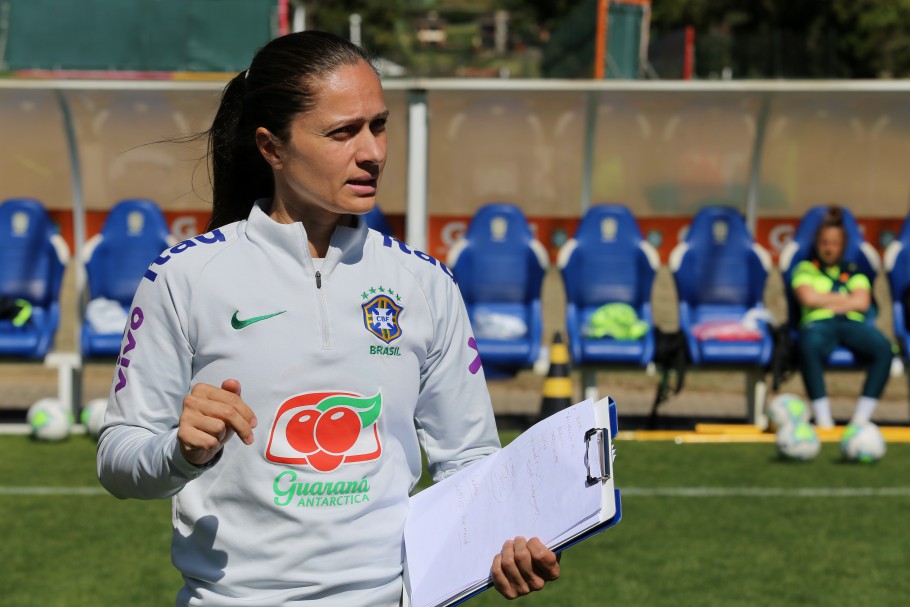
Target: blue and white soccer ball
[(863, 443), (92, 416), (787, 409), (49, 420), (797, 441)]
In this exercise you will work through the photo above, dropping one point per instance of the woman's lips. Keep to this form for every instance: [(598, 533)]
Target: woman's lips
[(363, 187)]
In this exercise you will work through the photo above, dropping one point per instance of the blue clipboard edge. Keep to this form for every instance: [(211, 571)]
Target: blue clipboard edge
[(595, 530), (614, 428)]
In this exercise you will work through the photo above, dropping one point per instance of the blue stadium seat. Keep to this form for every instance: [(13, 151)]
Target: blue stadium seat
[(897, 269), (376, 220), (606, 262), (134, 234), (500, 267), (720, 274), (858, 251), (33, 257)]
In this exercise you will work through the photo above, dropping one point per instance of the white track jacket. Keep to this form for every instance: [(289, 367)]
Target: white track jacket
[(350, 364)]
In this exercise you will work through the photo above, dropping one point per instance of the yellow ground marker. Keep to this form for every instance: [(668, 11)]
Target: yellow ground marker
[(745, 433)]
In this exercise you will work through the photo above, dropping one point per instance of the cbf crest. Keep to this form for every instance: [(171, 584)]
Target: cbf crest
[(380, 317)]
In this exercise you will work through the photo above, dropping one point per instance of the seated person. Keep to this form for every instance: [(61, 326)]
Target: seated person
[(834, 299)]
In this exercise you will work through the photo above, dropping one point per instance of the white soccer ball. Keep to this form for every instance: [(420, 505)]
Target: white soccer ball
[(92, 416), (787, 409), (798, 441), (863, 443), (49, 420)]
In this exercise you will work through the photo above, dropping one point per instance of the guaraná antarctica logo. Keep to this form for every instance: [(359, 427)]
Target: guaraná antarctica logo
[(325, 430), (322, 431)]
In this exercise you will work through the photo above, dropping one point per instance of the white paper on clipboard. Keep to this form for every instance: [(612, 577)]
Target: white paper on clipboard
[(537, 486)]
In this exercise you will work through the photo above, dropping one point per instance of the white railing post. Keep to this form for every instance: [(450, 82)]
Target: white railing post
[(418, 168)]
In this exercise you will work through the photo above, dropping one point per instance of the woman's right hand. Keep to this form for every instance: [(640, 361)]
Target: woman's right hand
[(210, 417)]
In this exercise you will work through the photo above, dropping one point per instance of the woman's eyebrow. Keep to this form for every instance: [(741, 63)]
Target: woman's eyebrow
[(342, 122)]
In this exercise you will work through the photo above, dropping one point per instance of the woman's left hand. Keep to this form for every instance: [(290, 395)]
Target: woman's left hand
[(523, 566)]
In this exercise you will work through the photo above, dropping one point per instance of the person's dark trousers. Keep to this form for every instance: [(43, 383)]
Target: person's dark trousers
[(819, 338)]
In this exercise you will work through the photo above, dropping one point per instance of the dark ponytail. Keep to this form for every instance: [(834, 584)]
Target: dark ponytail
[(240, 175), (278, 86)]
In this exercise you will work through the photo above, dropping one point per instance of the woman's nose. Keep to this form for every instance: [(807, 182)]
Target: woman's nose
[(372, 148)]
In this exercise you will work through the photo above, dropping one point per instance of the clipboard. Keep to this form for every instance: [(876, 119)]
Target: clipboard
[(607, 453), (569, 455)]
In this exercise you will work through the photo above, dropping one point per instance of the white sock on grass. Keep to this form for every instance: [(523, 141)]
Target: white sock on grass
[(865, 406), (821, 412)]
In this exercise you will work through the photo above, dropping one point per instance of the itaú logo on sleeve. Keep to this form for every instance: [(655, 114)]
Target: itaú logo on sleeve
[(325, 430)]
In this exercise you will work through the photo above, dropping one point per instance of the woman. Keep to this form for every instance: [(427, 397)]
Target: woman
[(834, 300), (332, 353)]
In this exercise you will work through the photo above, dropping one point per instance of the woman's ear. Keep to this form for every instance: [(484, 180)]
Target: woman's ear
[(269, 147)]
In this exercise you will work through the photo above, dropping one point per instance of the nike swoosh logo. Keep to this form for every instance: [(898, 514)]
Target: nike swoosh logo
[(238, 324)]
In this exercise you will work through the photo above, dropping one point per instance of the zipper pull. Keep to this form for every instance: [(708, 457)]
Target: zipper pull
[(318, 280)]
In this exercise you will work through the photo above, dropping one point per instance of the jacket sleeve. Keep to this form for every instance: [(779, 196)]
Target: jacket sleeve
[(138, 452), (804, 273), (859, 282), (454, 415)]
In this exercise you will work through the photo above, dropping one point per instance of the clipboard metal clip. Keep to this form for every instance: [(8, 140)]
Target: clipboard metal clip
[(602, 443)]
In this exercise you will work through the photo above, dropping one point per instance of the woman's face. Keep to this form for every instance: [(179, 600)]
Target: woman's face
[(335, 153), (830, 244)]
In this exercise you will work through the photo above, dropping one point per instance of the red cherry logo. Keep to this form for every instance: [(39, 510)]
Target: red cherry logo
[(324, 462), (337, 429), (301, 431)]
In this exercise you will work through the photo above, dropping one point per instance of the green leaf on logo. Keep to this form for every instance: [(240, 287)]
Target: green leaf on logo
[(368, 407)]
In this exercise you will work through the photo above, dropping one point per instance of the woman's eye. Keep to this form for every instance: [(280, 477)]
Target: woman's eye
[(378, 126), (343, 133)]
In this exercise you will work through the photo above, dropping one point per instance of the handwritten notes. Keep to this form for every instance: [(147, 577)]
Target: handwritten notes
[(534, 487)]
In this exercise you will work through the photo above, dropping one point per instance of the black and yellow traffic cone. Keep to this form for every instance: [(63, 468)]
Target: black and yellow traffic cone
[(557, 387)]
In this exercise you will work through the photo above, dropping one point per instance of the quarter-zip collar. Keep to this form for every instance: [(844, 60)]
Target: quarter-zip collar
[(345, 246)]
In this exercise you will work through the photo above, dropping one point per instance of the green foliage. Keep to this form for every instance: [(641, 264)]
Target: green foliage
[(388, 31), (378, 26), (546, 13), (739, 550), (781, 38), (877, 35)]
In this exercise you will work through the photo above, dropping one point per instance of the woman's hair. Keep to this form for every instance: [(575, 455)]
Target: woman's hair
[(278, 86), (833, 218)]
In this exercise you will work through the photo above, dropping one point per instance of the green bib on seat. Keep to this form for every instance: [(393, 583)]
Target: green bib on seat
[(616, 320)]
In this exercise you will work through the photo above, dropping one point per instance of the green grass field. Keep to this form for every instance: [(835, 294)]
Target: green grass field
[(702, 525)]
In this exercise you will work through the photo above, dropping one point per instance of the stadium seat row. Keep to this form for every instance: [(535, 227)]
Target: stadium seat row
[(33, 257), (608, 271)]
